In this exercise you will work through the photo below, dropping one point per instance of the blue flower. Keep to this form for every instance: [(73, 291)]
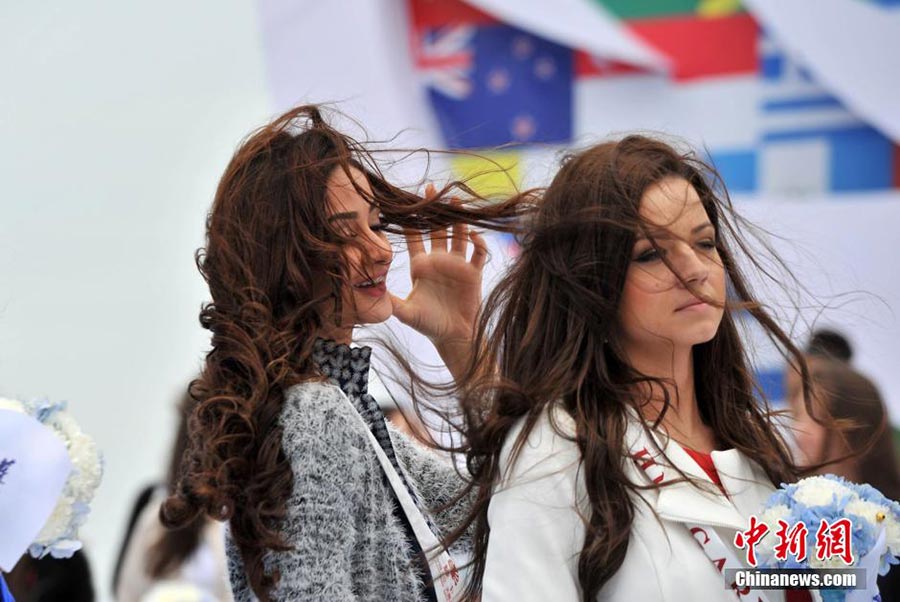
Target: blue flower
[(830, 498)]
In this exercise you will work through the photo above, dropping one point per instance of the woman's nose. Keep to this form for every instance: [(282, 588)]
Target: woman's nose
[(691, 266), (379, 248)]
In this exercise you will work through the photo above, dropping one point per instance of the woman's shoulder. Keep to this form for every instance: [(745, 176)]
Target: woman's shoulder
[(320, 409), (547, 448), (541, 484)]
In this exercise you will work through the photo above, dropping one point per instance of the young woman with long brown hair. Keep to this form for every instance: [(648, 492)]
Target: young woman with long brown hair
[(614, 433), (323, 501)]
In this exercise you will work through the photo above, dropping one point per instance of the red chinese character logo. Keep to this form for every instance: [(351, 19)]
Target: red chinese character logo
[(835, 540), (749, 538), (791, 541)]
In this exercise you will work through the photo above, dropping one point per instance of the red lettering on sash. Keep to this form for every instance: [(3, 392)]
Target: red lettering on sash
[(720, 564), (649, 462), (646, 464), (695, 530)]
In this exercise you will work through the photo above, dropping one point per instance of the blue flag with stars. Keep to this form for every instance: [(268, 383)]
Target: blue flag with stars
[(496, 84)]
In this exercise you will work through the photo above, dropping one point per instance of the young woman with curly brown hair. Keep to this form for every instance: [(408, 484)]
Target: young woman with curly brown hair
[(323, 500)]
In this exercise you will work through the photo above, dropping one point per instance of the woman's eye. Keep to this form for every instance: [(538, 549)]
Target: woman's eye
[(647, 256), (709, 245)]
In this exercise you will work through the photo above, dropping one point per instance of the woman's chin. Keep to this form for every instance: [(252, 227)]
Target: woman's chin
[(704, 332), (371, 310), (704, 338), (376, 314)]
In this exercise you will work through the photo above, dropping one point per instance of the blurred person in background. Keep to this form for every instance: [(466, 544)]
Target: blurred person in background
[(823, 343), (155, 560), (831, 344), (844, 394), (862, 452), (827, 344)]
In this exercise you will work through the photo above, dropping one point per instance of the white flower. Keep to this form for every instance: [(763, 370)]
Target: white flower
[(834, 562), (65, 548), (58, 523), (892, 534), (870, 511), (866, 510), (819, 491), (83, 453)]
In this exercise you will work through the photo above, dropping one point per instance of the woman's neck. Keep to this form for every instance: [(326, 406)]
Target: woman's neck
[(682, 420)]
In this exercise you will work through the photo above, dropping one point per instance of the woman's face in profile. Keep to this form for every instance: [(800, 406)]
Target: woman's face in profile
[(366, 299), (656, 306)]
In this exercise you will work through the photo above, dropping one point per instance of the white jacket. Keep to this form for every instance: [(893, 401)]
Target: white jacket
[(202, 576), (537, 534)]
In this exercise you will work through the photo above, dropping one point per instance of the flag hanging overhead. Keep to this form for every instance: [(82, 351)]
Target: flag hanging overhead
[(730, 90), (490, 83), (851, 46)]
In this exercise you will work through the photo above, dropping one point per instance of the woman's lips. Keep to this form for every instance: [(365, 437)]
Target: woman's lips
[(694, 306), (373, 291), (373, 288)]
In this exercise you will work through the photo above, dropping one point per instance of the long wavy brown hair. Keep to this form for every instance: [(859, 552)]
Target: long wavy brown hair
[(275, 268), (549, 332)]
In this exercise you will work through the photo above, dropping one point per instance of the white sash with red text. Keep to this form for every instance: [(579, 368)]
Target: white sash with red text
[(443, 570), (712, 545)]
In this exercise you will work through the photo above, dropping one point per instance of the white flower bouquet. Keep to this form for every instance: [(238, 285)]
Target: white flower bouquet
[(827, 522), (59, 535)]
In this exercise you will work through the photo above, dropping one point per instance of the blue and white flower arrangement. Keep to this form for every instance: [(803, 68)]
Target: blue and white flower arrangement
[(59, 535), (874, 530)]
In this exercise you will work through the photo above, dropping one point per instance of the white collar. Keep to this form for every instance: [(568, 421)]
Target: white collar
[(745, 482)]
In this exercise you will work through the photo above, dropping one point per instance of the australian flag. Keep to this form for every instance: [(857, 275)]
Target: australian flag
[(493, 84)]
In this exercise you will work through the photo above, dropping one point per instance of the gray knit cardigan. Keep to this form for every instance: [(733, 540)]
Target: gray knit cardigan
[(348, 543)]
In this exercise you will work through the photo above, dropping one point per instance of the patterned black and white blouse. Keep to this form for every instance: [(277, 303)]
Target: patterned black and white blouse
[(348, 368)]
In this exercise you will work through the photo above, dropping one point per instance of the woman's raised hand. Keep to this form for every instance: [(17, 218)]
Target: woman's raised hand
[(446, 286)]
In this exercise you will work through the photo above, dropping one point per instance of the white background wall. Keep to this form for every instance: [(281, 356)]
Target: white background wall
[(116, 121)]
